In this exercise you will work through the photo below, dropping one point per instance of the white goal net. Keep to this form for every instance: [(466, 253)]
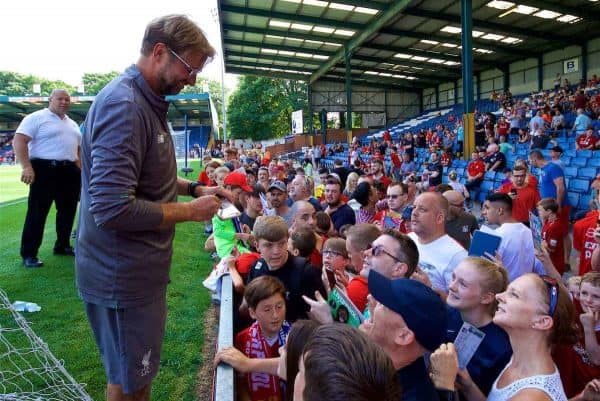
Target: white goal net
[(28, 370)]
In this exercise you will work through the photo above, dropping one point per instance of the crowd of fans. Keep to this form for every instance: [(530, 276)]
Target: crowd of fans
[(394, 240), (392, 243)]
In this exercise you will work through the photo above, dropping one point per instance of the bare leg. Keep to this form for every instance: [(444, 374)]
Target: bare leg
[(114, 392)]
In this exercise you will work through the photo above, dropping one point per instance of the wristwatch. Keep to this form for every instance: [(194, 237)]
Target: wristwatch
[(192, 188)]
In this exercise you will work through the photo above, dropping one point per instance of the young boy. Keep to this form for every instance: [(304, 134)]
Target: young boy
[(579, 363), (265, 297), (303, 242), (552, 232)]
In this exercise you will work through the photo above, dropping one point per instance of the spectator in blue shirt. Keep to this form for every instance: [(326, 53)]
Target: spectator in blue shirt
[(581, 123)]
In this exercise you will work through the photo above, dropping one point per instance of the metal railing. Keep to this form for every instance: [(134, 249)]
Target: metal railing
[(224, 389)]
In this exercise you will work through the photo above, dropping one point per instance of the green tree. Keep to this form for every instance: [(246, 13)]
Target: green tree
[(15, 84), (94, 82), (261, 107)]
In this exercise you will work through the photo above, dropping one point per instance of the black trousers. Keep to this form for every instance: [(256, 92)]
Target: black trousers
[(55, 181)]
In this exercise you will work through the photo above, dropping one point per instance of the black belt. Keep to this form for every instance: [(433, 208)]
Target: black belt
[(54, 163)]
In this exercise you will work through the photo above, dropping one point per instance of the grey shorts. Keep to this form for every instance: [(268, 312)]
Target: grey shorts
[(130, 341)]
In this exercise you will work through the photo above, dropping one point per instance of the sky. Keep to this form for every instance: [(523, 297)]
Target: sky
[(67, 38)]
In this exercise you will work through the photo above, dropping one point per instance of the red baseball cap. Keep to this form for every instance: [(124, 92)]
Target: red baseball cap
[(239, 179)]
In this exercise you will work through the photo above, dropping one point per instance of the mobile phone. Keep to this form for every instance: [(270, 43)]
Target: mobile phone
[(330, 277)]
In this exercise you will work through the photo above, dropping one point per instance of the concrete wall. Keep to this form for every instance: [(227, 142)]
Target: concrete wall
[(397, 105)]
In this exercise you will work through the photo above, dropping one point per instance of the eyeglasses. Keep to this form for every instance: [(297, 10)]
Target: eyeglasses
[(329, 252), (191, 70), (378, 250), (394, 196), (552, 285)]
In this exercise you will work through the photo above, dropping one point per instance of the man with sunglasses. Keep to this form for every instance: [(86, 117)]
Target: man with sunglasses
[(129, 204), (525, 197), (460, 224), (397, 215)]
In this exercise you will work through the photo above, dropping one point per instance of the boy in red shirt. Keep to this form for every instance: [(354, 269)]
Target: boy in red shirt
[(584, 240), (265, 296), (552, 232), (579, 363)]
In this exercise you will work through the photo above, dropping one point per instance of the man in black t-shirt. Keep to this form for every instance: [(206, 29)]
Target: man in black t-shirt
[(495, 161), (299, 277), (253, 207)]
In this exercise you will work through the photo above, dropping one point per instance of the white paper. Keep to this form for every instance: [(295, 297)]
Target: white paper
[(466, 343)]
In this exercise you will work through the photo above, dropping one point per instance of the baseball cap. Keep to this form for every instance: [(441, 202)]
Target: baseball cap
[(421, 308), (278, 185), (334, 176), (239, 179), (557, 149)]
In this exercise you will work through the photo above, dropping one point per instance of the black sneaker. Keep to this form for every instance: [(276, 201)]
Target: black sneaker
[(32, 262), (67, 251)]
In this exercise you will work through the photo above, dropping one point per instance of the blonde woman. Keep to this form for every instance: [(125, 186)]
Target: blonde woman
[(351, 183), (536, 313)]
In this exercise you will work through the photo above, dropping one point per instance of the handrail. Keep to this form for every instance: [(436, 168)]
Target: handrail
[(224, 383)]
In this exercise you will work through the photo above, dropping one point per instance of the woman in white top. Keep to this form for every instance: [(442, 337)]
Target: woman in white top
[(536, 312)]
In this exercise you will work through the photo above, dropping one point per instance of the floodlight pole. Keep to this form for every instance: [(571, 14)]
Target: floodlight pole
[(347, 59), (223, 99)]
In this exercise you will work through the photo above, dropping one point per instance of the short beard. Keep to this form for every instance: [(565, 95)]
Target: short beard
[(337, 203)]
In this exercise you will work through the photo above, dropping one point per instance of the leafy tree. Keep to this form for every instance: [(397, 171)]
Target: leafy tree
[(261, 107), (94, 82), (15, 84)]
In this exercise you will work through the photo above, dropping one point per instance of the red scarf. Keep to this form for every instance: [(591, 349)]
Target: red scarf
[(263, 386)]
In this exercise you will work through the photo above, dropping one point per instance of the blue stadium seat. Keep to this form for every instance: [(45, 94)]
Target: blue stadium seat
[(484, 189), (584, 153), (461, 172), (579, 161), (570, 172), (584, 202), (594, 162), (579, 186), (573, 198), (489, 175), (588, 173), (570, 153), (566, 160), (499, 177)]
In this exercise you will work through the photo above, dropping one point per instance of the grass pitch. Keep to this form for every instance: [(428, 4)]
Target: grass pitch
[(62, 323)]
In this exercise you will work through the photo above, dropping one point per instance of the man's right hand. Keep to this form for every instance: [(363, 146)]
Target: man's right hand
[(28, 175), (204, 207)]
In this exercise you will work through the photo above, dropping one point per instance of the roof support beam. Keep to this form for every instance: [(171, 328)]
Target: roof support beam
[(283, 33), (423, 78), (443, 39), (586, 13), (371, 83), (379, 22), (356, 72), (278, 58), (443, 68), (274, 57), (276, 47), (493, 26), (271, 65), (291, 17)]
